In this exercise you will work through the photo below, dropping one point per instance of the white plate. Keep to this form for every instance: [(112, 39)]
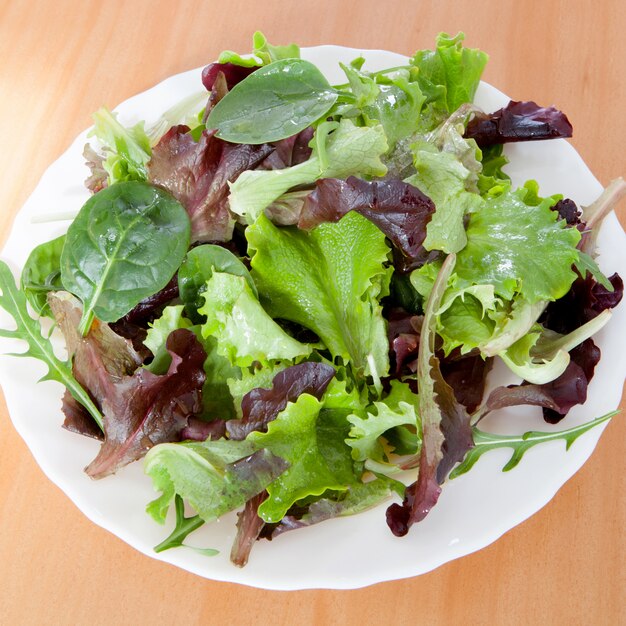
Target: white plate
[(473, 511)]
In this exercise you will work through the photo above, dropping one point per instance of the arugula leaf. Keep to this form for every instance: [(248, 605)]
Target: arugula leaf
[(128, 149), (311, 439), (274, 102), (245, 333), (184, 527), (484, 442), (125, 244), (329, 280), (42, 274), (13, 301), (339, 150)]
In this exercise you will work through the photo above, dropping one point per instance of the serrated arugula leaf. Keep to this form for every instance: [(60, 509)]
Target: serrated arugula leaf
[(245, 333), (329, 280), (13, 301), (184, 527), (520, 444)]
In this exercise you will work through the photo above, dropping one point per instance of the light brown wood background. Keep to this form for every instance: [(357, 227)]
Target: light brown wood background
[(62, 59)]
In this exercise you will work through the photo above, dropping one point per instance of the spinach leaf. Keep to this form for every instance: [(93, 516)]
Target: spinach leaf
[(198, 267), (274, 102), (42, 273), (125, 245)]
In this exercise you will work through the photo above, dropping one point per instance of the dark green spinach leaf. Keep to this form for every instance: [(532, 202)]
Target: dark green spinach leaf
[(42, 273), (274, 102), (125, 245)]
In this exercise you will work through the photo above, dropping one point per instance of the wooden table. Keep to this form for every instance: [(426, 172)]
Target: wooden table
[(61, 60)]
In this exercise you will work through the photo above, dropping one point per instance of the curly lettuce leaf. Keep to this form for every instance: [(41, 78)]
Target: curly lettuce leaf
[(448, 75), (398, 410), (245, 333), (263, 53), (520, 249), (127, 149), (339, 150), (311, 439), (329, 280)]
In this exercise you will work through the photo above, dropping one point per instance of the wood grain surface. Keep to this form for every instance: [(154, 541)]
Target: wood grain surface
[(61, 60)]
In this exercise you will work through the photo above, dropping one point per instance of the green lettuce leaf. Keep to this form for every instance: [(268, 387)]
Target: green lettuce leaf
[(449, 75), (158, 331), (311, 439), (263, 53), (127, 149), (444, 179), (399, 409), (520, 249), (208, 475), (329, 280), (245, 333), (339, 150)]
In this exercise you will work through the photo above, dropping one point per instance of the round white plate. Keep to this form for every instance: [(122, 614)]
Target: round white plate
[(473, 511)]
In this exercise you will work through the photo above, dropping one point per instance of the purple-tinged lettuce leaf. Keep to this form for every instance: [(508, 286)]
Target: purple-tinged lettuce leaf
[(446, 434), (197, 174), (139, 408), (249, 527), (399, 209), (143, 410), (232, 73), (569, 212), (585, 300), (289, 151), (150, 307), (201, 430), (77, 419), (518, 121), (98, 178), (403, 331), (467, 376), (556, 397), (260, 406)]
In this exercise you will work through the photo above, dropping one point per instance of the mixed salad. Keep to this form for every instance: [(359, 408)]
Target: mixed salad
[(286, 295)]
